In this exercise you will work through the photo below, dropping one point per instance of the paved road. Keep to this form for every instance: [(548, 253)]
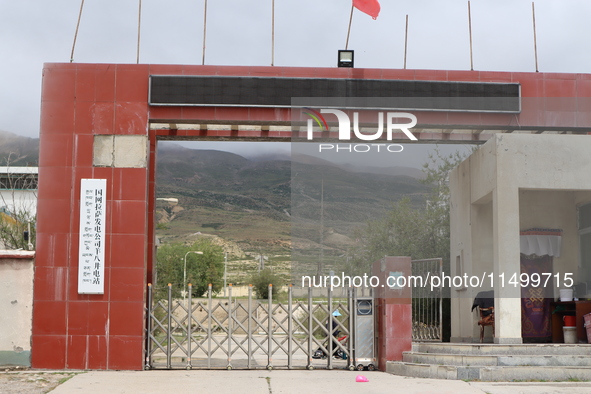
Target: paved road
[(291, 382)]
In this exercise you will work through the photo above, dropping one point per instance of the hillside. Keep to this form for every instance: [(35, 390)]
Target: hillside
[(264, 204), (305, 208), (18, 151), (223, 194)]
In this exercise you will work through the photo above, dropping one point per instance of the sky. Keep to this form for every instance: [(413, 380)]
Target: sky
[(307, 33)]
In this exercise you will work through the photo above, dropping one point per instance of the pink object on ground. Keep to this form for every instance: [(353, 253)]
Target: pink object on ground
[(361, 378)]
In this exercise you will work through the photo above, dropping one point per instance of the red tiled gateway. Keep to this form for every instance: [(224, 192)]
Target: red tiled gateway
[(82, 102)]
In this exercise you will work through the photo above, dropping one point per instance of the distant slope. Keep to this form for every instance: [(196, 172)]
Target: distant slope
[(261, 203), (222, 179), (279, 192), (18, 151), (207, 178), (358, 168)]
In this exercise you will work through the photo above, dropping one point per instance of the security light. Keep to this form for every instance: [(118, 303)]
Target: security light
[(345, 58)]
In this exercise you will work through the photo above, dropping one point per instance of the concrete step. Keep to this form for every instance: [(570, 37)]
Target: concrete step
[(490, 373), (544, 349), (468, 360)]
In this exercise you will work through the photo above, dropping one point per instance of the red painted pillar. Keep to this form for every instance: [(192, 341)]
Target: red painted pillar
[(393, 310), (90, 331), (151, 258)]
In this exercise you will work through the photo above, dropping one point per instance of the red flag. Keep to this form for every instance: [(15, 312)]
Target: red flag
[(370, 7)]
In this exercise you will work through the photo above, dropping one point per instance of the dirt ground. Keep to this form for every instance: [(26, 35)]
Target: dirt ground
[(22, 381)]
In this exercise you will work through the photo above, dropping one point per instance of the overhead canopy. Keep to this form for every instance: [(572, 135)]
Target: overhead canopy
[(541, 242)]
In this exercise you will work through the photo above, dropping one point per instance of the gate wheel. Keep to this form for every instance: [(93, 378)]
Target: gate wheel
[(229, 367), (351, 367), (371, 367), (360, 367), (269, 367), (310, 367)]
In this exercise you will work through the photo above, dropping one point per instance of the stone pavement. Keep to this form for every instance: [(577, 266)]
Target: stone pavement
[(292, 382)]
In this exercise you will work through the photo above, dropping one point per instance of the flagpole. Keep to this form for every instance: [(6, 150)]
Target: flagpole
[(204, 30), (76, 33), (405, 41), (533, 11), (139, 29), (273, 33), (349, 31), (470, 28)]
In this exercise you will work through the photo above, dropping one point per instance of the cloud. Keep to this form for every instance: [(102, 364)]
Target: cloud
[(307, 33)]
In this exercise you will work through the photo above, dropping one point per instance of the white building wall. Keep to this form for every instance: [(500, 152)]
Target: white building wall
[(553, 209), (461, 257), (16, 307), (20, 193), (514, 182)]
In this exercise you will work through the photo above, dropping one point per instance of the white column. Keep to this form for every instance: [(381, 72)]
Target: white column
[(506, 263)]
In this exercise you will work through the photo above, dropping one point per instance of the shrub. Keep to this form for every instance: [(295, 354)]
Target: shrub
[(261, 280)]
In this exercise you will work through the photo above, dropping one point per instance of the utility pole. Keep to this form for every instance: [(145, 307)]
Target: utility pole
[(225, 270), (321, 259)]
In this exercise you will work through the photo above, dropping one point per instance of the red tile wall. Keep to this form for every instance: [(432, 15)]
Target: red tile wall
[(72, 330), (80, 101), (393, 311)]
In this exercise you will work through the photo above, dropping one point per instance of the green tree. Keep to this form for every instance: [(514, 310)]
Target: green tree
[(261, 281), (420, 232), (202, 269)]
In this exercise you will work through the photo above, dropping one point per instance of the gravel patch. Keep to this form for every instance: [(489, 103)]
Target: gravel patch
[(22, 381)]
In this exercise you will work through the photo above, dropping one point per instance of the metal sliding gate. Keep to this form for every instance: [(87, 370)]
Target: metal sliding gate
[(245, 333), (426, 303)]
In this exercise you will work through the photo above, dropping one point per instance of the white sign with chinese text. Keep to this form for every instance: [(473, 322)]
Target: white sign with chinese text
[(91, 255)]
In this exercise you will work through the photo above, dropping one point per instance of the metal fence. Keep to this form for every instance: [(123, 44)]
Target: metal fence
[(426, 302), (245, 333)]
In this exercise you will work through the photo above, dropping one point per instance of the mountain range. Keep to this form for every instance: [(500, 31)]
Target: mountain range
[(264, 203), (18, 151)]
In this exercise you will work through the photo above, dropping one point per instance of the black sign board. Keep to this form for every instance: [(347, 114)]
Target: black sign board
[(223, 91)]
